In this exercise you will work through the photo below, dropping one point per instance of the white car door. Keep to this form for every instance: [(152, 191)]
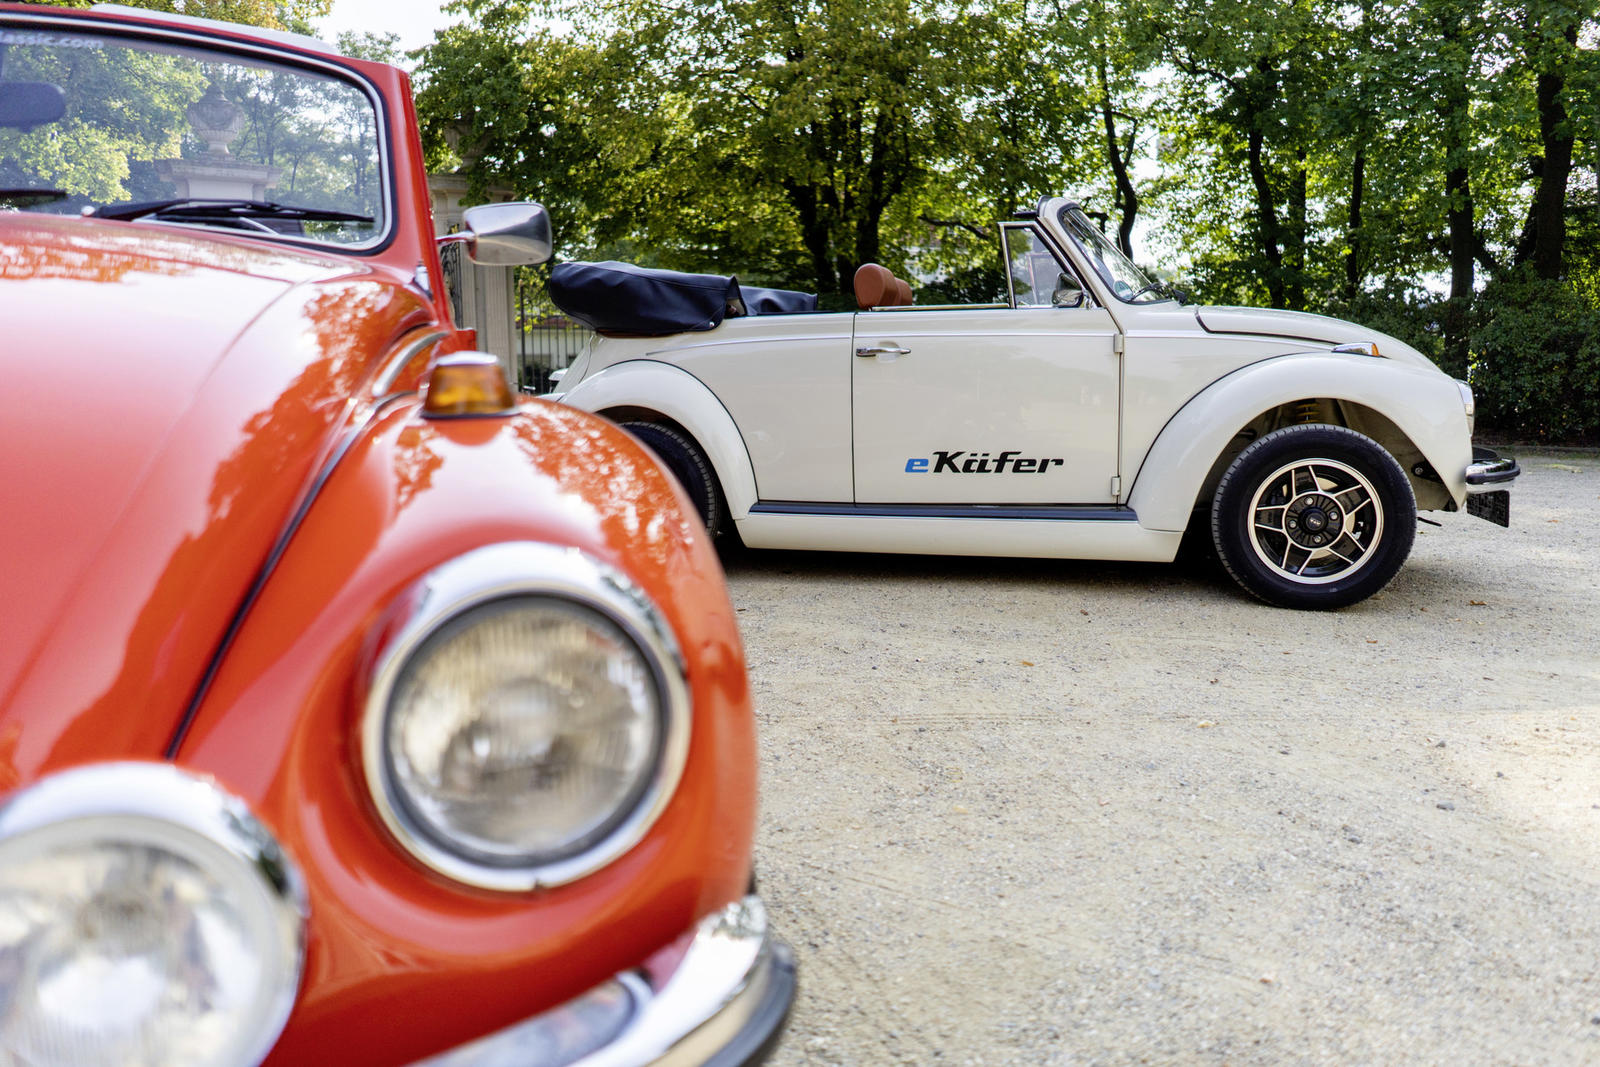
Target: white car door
[(990, 405)]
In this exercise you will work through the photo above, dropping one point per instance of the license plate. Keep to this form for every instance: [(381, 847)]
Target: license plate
[(1495, 506)]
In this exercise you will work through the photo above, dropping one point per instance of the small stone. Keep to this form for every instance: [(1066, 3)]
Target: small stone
[(1439, 745), (1445, 805)]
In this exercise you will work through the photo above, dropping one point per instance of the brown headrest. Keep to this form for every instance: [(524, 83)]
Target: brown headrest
[(902, 292), (875, 286)]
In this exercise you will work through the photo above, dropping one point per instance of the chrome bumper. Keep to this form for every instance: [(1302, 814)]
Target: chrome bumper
[(1489, 471), (724, 1003)]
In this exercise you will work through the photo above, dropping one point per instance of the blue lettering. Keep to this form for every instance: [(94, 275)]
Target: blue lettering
[(916, 466)]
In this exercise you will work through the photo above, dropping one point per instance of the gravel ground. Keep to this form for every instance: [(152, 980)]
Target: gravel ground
[(1021, 812)]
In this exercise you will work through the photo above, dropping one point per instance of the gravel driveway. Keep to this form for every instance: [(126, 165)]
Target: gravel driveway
[(1022, 811)]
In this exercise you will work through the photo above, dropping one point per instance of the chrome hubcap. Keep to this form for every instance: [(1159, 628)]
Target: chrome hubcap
[(1315, 521)]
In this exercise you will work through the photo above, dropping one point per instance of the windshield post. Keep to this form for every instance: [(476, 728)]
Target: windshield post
[(1126, 281)]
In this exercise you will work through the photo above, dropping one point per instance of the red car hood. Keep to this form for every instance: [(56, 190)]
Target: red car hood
[(167, 398)]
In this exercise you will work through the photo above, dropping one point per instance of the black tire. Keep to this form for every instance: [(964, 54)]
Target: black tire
[(682, 456), (1313, 516)]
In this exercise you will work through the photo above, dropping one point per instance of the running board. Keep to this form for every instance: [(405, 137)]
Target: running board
[(1107, 533)]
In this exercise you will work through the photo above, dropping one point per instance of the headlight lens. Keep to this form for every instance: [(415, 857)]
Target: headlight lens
[(145, 918), (529, 722)]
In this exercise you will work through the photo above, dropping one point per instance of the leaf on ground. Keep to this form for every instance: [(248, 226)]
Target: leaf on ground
[(1478, 603), (1205, 724), (1026, 662)]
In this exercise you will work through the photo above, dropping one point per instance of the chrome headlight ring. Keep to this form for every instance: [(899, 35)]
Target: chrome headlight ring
[(147, 888), (580, 591)]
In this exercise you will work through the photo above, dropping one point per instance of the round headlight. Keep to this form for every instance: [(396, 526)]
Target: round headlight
[(145, 918), (529, 721)]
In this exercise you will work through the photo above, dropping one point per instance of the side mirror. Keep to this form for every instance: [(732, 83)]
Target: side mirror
[(24, 105), (1067, 294), (507, 235)]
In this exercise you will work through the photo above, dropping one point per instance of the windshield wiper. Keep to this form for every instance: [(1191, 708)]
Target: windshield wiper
[(204, 210), (33, 196)]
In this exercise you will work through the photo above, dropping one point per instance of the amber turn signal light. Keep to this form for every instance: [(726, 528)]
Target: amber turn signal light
[(467, 383)]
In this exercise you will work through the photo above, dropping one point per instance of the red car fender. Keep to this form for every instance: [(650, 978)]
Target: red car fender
[(401, 961)]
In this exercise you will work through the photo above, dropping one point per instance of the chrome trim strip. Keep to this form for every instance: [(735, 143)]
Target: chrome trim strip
[(726, 1002), (123, 795), (528, 568), (384, 381)]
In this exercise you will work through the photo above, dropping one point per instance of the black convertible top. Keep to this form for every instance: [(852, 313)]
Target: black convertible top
[(622, 298)]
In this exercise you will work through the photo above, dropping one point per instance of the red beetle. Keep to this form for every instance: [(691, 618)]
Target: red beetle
[(351, 710)]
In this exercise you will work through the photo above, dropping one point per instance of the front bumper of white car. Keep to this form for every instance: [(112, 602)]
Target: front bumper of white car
[(1487, 476)]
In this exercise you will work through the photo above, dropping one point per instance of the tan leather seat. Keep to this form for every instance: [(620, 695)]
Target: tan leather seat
[(877, 287)]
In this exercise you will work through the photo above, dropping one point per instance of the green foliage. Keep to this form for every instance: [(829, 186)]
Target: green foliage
[(1536, 358), (1380, 160), (296, 15)]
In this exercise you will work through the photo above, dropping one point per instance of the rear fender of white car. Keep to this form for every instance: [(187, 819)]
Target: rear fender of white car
[(661, 392), (1413, 412)]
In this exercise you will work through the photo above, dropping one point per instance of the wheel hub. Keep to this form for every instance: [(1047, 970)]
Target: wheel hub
[(1314, 520)]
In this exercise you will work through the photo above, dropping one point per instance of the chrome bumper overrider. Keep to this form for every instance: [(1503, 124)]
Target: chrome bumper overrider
[(1489, 471), (724, 1003)]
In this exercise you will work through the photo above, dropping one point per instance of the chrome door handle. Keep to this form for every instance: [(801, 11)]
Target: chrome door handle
[(883, 350)]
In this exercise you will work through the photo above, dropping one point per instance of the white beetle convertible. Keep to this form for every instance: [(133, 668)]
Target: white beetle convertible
[(1091, 415)]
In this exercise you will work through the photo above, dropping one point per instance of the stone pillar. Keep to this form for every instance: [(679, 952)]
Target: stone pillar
[(484, 297), (216, 175)]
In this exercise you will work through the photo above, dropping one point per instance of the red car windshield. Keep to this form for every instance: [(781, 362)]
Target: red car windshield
[(132, 128)]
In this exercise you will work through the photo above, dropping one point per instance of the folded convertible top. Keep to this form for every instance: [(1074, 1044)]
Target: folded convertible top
[(622, 298)]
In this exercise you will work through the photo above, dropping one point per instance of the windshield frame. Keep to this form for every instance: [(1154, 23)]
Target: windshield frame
[(272, 53), (1075, 223)]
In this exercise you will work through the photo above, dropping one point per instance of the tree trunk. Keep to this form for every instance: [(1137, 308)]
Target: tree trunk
[(1266, 220), (1353, 240), (1545, 236), (814, 234), (1458, 189), (1295, 284), (1127, 199)]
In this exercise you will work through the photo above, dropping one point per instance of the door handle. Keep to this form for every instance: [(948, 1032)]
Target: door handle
[(891, 350)]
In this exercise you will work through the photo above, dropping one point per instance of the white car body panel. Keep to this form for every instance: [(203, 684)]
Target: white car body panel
[(1042, 381), (827, 430), (684, 399), (1165, 485)]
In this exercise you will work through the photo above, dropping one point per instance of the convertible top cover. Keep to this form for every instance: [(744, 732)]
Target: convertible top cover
[(621, 298)]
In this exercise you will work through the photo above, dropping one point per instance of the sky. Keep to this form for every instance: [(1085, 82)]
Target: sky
[(413, 20)]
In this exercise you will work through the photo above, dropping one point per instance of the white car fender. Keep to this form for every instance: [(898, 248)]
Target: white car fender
[(1423, 404), (684, 399)]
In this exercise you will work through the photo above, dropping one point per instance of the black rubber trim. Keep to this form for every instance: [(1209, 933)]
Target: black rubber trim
[(1055, 512), (759, 1037)]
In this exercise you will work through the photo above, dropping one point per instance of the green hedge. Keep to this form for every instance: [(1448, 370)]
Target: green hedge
[(1536, 361)]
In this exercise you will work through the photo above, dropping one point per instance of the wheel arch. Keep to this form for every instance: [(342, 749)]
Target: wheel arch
[(1426, 432), (648, 391)]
